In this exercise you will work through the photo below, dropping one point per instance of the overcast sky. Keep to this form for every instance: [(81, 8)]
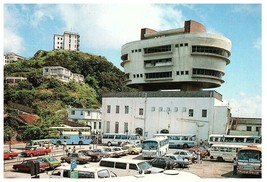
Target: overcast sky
[(104, 28)]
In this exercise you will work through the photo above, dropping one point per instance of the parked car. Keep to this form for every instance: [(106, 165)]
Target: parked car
[(26, 165), (81, 158), (126, 167), (36, 151), (132, 149), (118, 151), (52, 161), (181, 161), (163, 162), (95, 154), (108, 151), (10, 155), (84, 171), (186, 154)]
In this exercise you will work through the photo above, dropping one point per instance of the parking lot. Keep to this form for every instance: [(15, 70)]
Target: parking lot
[(206, 169)]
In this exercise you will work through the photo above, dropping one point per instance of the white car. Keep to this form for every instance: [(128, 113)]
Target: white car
[(184, 153), (81, 171)]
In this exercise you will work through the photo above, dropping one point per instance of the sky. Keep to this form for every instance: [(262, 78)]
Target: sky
[(105, 27)]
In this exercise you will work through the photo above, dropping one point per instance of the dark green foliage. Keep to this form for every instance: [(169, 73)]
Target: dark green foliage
[(47, 96)]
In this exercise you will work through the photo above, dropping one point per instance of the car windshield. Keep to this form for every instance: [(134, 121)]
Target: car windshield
[(144, 165)]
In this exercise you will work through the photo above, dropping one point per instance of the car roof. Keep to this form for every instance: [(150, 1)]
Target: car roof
[(85, 167), (123, 160)]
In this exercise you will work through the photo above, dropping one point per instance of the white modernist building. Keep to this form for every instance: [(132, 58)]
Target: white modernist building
[(92, 117), (185, 59), (12, 57), (147, 113), (67, 41), (62, 74)]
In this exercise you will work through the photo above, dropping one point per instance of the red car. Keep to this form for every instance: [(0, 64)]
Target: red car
[(36, 151), (26, 165), (10, 155)]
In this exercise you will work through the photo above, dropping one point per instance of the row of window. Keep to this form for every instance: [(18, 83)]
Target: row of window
[(116, 127), (196, 71), (210, 50), (204, 112)]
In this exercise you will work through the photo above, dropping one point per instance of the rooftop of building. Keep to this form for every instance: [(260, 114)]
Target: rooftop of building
[(211, 94)]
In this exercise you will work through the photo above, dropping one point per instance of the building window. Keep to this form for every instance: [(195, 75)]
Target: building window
[(117, 109), (182, 72), (72, 112), (81, 113), (141, 111), (160, 109), (186, 72), (249, 128), (108, 127), (190, 112), (95, 125), (88, 113), (177, 73), (126, 127), (152, 109), (116, 127), (258, 128), (126, 110), (157, 49), (204, 113), (175, 109), (108, 108), (99, 125)]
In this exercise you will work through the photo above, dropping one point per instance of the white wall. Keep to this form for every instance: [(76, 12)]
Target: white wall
[(153, 120)]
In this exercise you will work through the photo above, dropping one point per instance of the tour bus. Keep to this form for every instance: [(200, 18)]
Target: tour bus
[(233, 139), (120, 138), (72, 135), (179, 140), (222, 152), (155, 147), (249, 160), (38, 143)]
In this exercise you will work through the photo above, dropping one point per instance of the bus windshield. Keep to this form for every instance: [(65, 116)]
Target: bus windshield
[(150, 145), (249, 156)]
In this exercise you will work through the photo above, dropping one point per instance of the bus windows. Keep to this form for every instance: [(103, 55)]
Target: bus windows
[(118, 137)]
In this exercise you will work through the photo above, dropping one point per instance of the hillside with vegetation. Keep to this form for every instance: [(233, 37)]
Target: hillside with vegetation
[(48, 97)]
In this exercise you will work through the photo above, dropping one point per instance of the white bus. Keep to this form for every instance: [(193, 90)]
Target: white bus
[(249, 160), (233, 139), (223, 152), (179, 140), (155, 147), (120, 138)]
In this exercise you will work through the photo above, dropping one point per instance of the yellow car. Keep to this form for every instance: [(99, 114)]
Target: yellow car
[(134, 150)]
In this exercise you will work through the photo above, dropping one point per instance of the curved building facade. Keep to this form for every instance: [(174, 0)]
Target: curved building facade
[(186, 58)]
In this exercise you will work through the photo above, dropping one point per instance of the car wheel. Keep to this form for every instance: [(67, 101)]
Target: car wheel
[(133, 152), (10, 157), (109, 144), (185, 146), (16, 169), (31, 155)]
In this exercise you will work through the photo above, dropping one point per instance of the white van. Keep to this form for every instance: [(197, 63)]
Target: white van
[(81, 171), (126, 167)]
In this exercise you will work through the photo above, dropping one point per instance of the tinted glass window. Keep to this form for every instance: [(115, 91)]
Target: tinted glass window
[(133, 166), (120, 165), (107, 163)]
